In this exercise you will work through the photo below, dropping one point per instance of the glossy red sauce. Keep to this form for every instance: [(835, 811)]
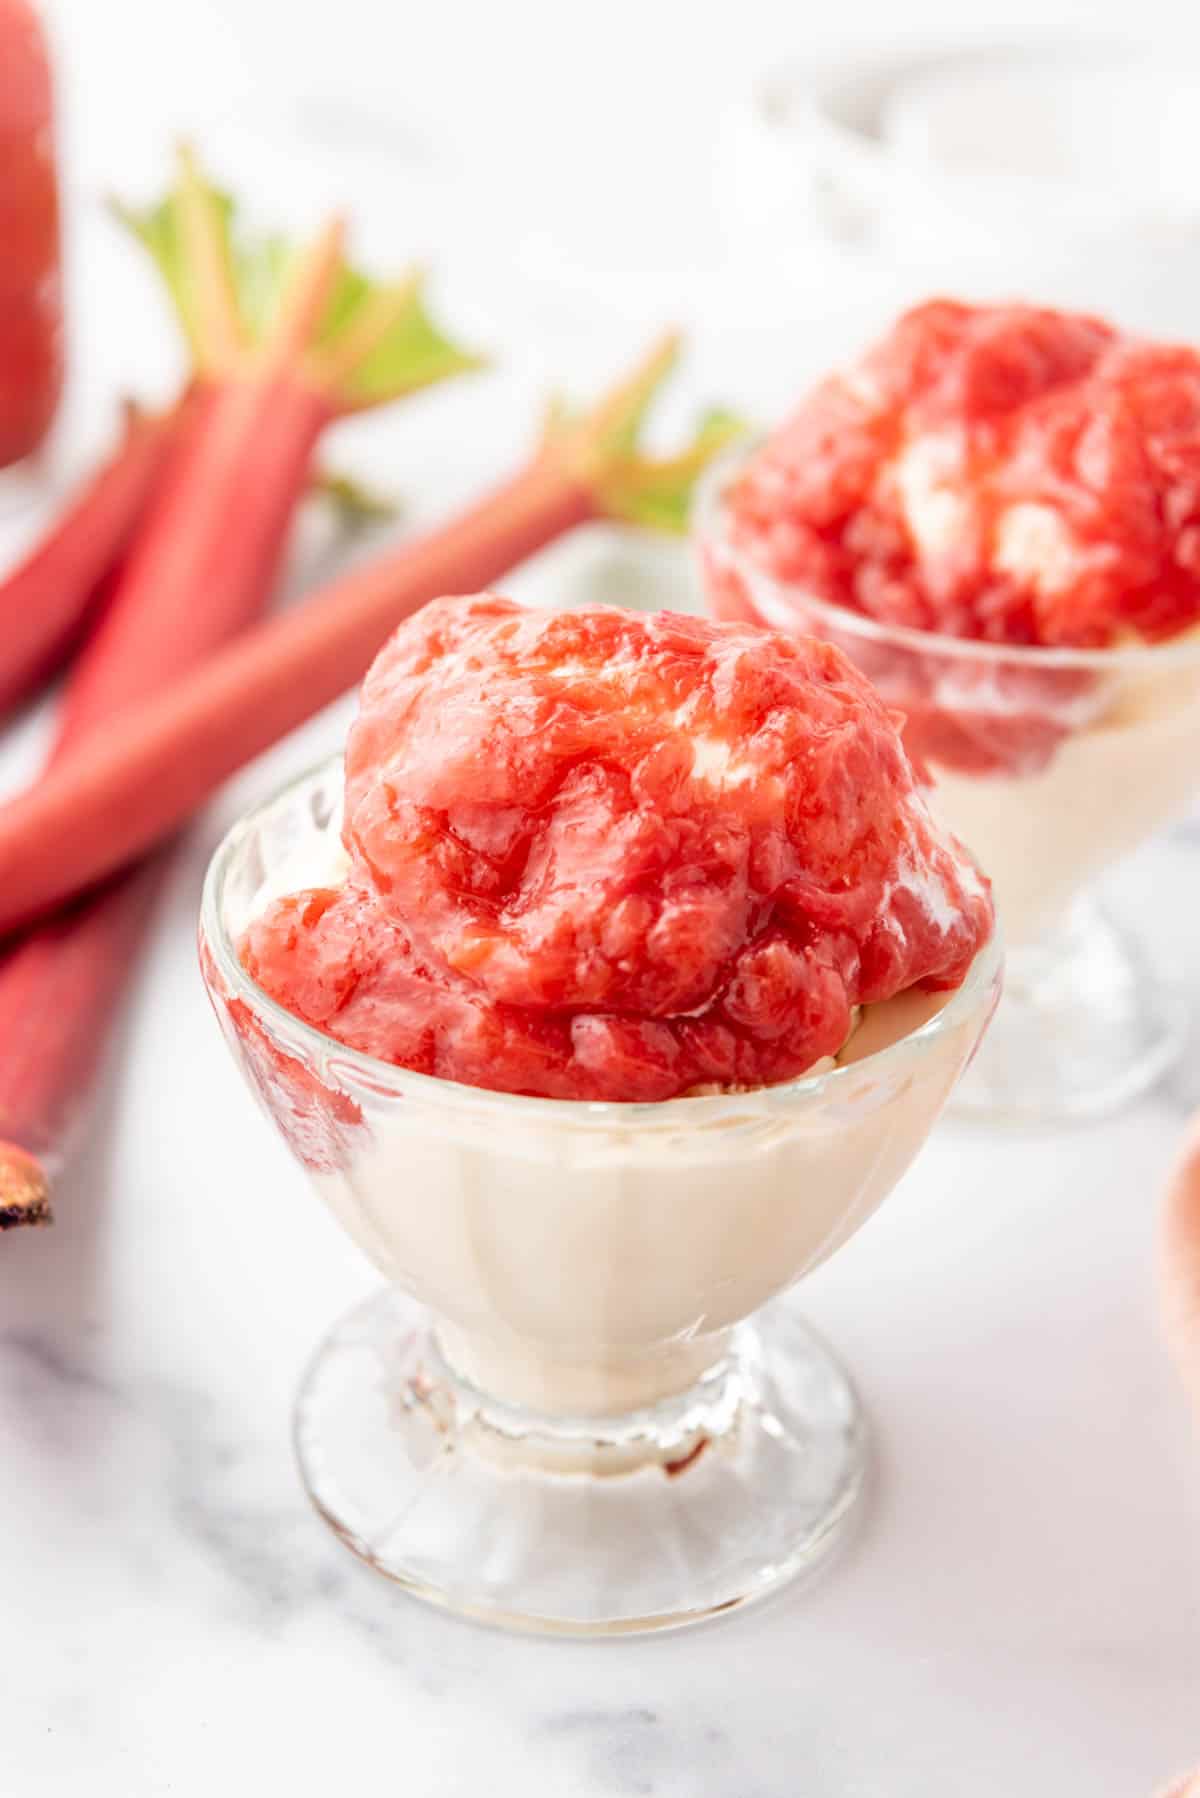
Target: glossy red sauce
[(1093, 435), (604, 855)]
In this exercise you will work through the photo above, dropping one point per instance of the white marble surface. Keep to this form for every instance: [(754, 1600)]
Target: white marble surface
[(1021, 1609)]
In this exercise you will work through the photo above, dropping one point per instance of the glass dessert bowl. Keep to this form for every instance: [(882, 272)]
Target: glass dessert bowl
[(557, 1413), (1051, 761), (564, 1411)]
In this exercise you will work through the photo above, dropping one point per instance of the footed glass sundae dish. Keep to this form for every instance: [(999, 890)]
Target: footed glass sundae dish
[(995, 513), (604, 992)]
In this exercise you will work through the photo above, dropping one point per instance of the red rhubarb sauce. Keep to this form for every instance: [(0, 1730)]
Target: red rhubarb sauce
[(31, 364), (1006, 474), (603, 855)]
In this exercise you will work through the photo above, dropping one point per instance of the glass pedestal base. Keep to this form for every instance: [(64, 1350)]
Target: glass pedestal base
[(577, 1525), (1083, 1026)]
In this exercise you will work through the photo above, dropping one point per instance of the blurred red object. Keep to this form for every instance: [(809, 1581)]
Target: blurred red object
[(31, 352), (1179, 1265), (1179, 1270)]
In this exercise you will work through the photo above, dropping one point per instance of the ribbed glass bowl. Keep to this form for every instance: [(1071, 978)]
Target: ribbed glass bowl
[(575, 1405), (1051, 765)]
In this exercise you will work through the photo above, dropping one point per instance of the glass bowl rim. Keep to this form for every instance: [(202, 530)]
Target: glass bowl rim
[(709, 526), (380, 1076)]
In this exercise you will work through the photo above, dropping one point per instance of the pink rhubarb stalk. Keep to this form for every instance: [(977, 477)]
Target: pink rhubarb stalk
[(199, 568), (158, 760)]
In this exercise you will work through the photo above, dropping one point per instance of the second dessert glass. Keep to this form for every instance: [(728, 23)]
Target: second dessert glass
[(1050, 765), (556, 1414)]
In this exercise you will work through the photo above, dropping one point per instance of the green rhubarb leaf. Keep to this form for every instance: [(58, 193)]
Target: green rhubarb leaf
[(412, 351), (257, 267), (261, 269), (657, 493), (609, 432), (375, 341), (357, 506), (157, 229), (602, 445)]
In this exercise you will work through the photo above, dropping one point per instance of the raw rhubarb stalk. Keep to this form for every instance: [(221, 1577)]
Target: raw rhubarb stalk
[(50, 598), (47, 599), (269, 379), (201, 565), (281, 345), (203, 561), (157, 761), (58, 988)]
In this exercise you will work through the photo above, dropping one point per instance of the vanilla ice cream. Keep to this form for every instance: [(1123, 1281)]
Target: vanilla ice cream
[(592, 1258)]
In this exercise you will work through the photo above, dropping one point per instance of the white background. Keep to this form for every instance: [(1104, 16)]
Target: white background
[(559, 77), (560, 105)]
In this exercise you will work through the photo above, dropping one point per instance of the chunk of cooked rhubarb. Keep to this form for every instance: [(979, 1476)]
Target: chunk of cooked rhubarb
[(1009, 473), (603, 855)]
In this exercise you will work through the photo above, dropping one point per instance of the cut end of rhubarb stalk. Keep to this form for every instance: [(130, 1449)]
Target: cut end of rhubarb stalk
[(24, 1189), (603, 448), (239, 297)]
